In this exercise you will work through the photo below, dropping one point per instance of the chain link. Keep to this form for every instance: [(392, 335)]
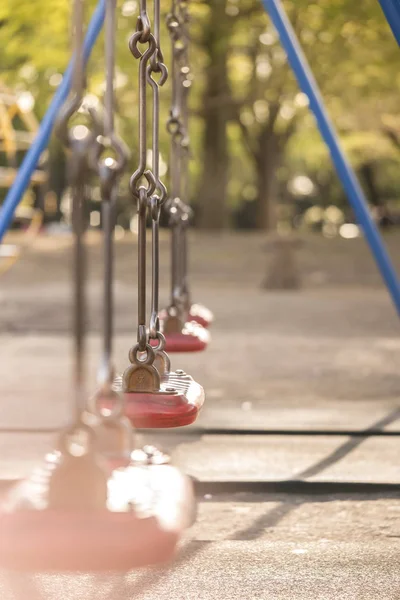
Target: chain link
[(149, 197)]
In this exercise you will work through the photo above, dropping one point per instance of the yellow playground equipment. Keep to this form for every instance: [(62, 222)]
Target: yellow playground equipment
[(18, 128)]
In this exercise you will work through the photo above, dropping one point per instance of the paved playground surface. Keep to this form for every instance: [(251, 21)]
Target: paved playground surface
[(297, 450)]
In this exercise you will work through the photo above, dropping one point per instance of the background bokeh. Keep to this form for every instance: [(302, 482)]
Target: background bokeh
[(258, 159)]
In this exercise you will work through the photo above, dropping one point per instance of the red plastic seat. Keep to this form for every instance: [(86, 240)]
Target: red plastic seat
[(198, 313), (117, 539), (165, 410), (201, 315), (193, 338), (72, 541)]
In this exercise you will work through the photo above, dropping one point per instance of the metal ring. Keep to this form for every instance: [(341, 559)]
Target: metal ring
[(143, 27), (162, 69), (109, 396), (134, 355), (135, 39), (64, 441), (148, 175), (161, 340)]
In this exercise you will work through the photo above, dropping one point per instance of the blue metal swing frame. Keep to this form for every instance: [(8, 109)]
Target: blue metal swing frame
[(308, 84)]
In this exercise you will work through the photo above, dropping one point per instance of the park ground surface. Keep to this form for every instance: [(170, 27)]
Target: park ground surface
[(297, 451)]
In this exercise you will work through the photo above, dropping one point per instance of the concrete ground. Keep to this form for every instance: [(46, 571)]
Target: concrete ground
[(297, 449)]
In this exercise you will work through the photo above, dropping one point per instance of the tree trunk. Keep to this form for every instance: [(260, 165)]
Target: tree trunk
[(267, 162), (382, 212), (368, 175), (213, 183)]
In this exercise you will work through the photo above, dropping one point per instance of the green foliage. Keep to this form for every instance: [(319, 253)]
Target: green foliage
[(348, 44)]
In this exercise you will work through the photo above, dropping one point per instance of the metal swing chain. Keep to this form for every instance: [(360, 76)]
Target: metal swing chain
[(113, 432), (186, 212), (78, 480), (177, 127), (140, 192), (78, 140), (111, 159), (157, 199)]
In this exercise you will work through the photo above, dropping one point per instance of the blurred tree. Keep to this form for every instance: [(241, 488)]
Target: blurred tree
[(252, 133), (340, 39), (214, 41)]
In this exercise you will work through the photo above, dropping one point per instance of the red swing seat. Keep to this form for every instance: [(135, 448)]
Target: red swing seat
[(192, 338), (120, 538), (201, 315), (177, 408)]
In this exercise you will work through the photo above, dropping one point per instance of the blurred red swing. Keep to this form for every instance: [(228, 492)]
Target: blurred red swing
[(76, 513)]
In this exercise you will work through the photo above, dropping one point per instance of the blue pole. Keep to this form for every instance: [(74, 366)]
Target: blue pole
[(31, 158), (352, 188), (391, 10)]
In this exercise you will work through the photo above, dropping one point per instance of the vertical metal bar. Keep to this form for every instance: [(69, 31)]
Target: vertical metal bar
[(78, 220), (79, 270), (175, 166), (349, 181), (142, 206), (108, 213)]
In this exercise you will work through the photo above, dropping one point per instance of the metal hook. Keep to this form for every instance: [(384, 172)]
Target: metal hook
[(148, 175), (133, 45)]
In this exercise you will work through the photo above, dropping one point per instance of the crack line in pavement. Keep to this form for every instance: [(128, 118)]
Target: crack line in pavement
[(347, 447)]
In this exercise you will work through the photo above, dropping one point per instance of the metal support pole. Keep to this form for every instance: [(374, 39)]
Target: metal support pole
[(306, 80), (391, 10)]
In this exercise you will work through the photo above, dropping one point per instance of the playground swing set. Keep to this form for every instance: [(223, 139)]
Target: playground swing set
[(98, 503)]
